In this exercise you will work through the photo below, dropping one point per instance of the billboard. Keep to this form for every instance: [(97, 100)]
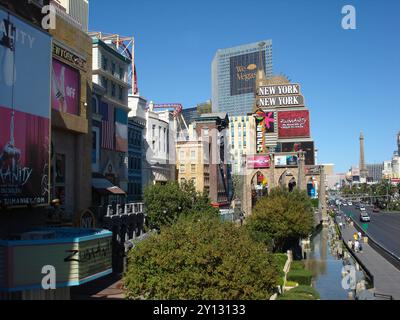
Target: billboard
[(65, 88), (121, 130), (25, 63), (293, 124), (243, 70), (258, 162), (307, 147), (284, 161), (284, 95)]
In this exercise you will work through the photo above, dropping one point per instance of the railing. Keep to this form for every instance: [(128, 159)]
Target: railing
[(383, 296), (127, 209)]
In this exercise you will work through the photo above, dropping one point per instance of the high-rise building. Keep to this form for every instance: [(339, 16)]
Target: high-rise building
[(363, 168), (375, 171), (234, 76), (78, 9)]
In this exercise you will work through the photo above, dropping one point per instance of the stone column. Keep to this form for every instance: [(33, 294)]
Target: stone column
[(301, 174)]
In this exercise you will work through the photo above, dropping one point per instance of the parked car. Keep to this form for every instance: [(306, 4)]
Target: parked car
[(364, 217), (376, 209), (350, 203), (362, 209)]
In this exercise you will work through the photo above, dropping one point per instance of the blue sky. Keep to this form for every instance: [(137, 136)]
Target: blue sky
[(350, 78)]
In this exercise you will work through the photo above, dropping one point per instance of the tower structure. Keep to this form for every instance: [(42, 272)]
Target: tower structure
[(363, 167)]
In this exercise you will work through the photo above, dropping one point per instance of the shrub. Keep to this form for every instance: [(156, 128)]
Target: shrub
[(305, 290), (302, 277), (297, 265), (280, 259), (200, 259)]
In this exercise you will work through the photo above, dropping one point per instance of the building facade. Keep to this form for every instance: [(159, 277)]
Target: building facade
[(190, 114), (110, 114), (213, 133), (78, 10), (55, 147), (240, 140), (136, 130), (375, 171), (233, 73)]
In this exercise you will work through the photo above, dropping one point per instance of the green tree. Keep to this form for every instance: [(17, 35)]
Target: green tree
[(165, 203), (283, 217), (196, 259)]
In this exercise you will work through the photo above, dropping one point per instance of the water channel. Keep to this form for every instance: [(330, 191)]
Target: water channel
[(327, 268)]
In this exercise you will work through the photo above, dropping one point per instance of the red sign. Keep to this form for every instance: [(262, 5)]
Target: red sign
[(259, 162), (293, 124)]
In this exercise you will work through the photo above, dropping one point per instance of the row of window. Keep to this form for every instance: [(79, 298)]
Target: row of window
[(193, 180), (135, 163), (113, 89), (135, 188), (135, 138), (113, 68), (182, 155), (182, 168)]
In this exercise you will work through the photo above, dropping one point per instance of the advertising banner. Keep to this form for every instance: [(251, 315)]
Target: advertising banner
[(65, 88), (258, 162), (260, 134), (280, 161), (285, 95), (292, 160), (307, 147), (25, 68), (243, 72), (121, 130), (293, 124)]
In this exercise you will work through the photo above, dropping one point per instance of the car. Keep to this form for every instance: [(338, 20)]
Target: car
[(350, 203), (364, 217), (376, 209), (362, 209), (344, 204), (357, 206)]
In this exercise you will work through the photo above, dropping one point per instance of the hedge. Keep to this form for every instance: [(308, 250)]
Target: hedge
[(305, 290), (302, 277), (297, 265)]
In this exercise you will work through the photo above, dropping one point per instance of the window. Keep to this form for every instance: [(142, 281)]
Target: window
[(183, 180), (113, 68), (121, 73), (182, 168), (182, 155), (153, 131), (104, 83), (113, 88), (121, 93), (194, 181), (193, 168), (104, 63), (95, 105), (193, 155)]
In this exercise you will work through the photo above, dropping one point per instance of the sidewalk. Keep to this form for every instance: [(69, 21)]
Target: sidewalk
[(386, 276), (109, 287)]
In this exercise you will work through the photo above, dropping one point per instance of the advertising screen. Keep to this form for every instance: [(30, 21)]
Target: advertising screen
[(259, 162), (307, 147), (243, 72), (25, 68), (65, 88), (294, 124)]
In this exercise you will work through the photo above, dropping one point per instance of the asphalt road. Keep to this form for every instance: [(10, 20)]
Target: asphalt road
[(384, 228)]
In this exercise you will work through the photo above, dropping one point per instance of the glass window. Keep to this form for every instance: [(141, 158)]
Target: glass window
[(193, 154), (193, 168), (113, 68), (104, 63), (182, 168), (121, 93), (113, 88)]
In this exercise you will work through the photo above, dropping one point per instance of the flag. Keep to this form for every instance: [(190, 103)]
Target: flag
[(107, 126), (121, 130)]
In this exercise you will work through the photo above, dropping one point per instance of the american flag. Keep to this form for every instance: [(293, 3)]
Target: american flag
[(108, 128)]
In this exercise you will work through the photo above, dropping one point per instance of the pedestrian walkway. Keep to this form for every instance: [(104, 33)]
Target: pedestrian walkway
[(109, 287), (386, 276)]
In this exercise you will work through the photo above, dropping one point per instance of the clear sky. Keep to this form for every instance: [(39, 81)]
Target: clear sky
[(350, 78)]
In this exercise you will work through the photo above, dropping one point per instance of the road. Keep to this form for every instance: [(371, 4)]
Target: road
[(384, 228)]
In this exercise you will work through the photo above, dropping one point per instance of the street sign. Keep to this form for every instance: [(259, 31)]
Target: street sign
[(365, 227)]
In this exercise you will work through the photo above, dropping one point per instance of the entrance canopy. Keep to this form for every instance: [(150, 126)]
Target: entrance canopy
[(104, 186)]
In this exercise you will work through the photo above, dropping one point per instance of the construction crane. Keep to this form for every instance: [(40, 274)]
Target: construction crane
[(182, 128)]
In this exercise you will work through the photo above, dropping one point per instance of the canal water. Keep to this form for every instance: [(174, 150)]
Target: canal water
[(326, 268)]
